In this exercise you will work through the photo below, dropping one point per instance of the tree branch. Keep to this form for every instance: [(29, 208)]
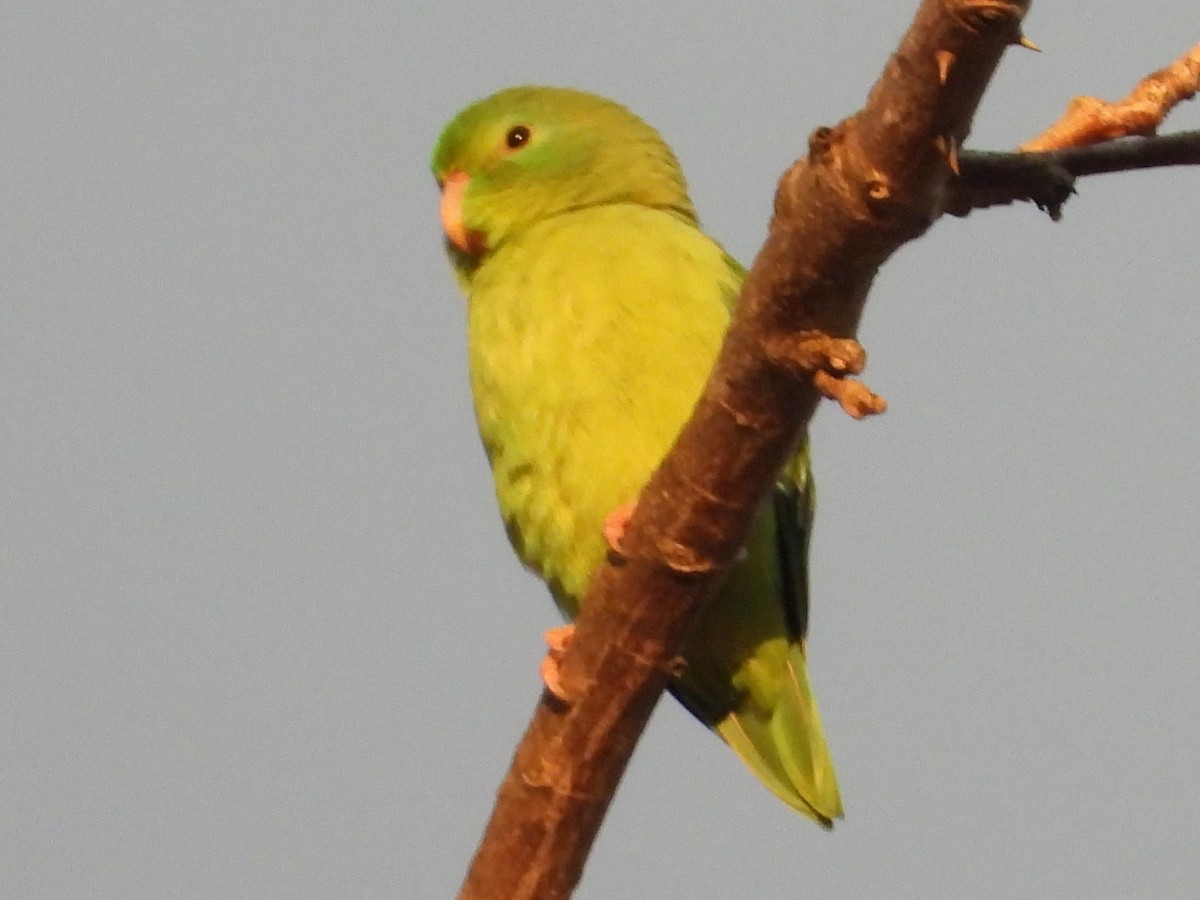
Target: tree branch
[(1089, 120), (876, 181), (1091, 138), (1048, 178)]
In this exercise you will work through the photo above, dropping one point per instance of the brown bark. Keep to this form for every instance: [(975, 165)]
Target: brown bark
[(867, 186)]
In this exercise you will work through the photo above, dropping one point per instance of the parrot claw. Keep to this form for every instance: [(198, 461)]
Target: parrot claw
[(615, 524), (557, 639)]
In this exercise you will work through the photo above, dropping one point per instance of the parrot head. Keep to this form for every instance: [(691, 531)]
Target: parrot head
[(527, 153)]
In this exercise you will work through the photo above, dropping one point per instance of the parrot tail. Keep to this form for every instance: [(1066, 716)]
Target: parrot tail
[(785, 746)]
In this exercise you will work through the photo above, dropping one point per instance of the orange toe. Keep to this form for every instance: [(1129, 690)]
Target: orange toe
[(557, 639), (615, 524), (552, 679)]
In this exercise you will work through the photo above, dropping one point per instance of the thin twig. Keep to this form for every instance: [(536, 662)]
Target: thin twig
[(1089, 120), (1048, 179)]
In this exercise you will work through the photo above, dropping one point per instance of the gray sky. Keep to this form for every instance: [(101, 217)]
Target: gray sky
[(262, 635)]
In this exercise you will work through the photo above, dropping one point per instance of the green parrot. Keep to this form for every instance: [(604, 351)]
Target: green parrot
[(595, 310)]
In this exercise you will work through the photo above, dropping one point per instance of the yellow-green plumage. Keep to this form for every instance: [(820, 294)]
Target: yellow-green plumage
[(596, 307)]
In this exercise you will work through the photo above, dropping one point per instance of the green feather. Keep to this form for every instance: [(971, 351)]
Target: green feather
[(595, 311)]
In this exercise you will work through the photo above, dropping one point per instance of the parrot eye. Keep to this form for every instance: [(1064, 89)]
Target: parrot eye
[(518, 136)]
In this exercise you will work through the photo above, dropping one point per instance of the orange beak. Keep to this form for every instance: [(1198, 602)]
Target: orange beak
[(454, 189)]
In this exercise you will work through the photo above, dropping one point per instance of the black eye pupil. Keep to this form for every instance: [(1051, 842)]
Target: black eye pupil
[(518, 136)]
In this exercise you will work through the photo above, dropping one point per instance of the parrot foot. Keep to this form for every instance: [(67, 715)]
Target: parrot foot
[(831, 361), (557, 639), (615, 524), (855, 398)]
